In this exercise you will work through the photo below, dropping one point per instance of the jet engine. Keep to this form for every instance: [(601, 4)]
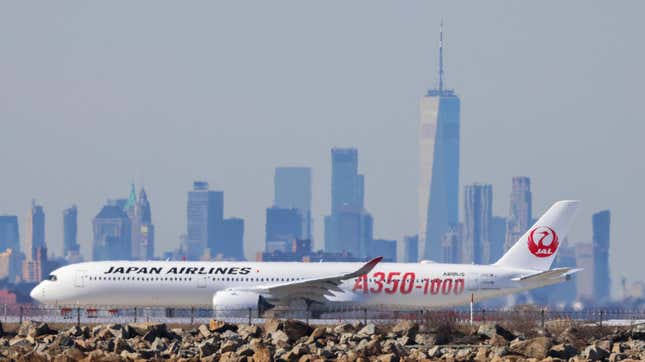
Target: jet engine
[(236, 303)]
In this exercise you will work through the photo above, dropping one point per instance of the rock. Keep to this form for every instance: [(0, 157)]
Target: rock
[(595, 353), (228, 346), (63, 340), (482, 354), (425, 339), (157, 330), (435, 352), (343, 328), (406, 328), (617, 348), (207, 348), (534, 348), (245, 350), (614, 357), (563, 351), (121, 345), (204, 331), (319, 332), (295, 329), (492, 329), (279, 338), (638, 332), (463, 354), (389, 357), (262, 354), (368, 330), (249, 331), (221, 326)]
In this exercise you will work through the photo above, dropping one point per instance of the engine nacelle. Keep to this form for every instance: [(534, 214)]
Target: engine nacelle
[(238, 304)]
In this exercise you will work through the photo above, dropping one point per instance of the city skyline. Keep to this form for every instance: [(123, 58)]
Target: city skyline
[(509, 107)]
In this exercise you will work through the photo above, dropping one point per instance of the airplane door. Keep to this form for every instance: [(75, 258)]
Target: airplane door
[(79, 277), (201, 282)]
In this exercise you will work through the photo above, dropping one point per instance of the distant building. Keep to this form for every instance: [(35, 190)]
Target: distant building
[(562, 293), (11, 265), (282, 227), (520, 218), (409, 249), (451, 245), (478, 204), (9, 234), (35, 235), (384, 248), (351, 231), (112, 234), (349, 228), (602, 283), (585, 278), (497, 237), (205, 212), (34, 270), (144, 230), (438, 164), (70, 231), (230, 238), (293, 191)]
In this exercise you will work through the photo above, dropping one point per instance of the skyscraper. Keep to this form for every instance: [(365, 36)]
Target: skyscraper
[(409, 249), (602, 284), (205, 211), (585, 278), (478, 206), (112, 234), (438, 164), (520, 218), (9, 234), (293, 191), (144, 235), (349, 227), (497, 237), (35, 234), (70, 230), (283, 227), (384, 248), (230, 239)]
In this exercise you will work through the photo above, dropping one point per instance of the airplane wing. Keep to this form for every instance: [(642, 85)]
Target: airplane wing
[(548, 274), (314, 289)]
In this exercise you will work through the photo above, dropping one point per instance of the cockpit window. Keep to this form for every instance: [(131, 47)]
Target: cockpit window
[(52, 278)]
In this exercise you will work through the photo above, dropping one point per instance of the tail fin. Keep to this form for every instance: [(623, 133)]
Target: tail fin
[(537, 248)]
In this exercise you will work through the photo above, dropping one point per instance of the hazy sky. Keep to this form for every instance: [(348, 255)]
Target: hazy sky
[(95, 95)]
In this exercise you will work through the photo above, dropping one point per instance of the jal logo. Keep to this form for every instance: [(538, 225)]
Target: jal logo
[(543, 241)]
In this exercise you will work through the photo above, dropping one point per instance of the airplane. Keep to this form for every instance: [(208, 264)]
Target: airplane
[(261, 286)]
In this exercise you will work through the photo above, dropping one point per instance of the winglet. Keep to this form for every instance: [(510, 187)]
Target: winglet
[(365, 268)]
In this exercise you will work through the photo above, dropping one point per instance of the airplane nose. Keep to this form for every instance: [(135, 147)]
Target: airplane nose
[(36, 292)]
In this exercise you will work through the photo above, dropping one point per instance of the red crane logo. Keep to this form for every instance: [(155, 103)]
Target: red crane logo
[(543, 241)]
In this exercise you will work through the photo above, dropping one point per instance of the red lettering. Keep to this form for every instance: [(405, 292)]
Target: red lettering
[(361, 283), (407, 283), (393, 283), (379, 277), (426, 282), (446, 287), (459, 286), (435, 285)]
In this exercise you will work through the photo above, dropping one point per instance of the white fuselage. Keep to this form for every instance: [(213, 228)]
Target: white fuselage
[(193, 284)]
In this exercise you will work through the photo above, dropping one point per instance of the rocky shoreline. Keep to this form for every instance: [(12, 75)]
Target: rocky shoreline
[(292, 340)]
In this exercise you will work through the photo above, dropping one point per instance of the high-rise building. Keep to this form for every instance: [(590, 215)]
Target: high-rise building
[(384, 248), (602, 284), (9, 233), (144, 235), (10, 264), (349, 227), (34, 270), (112, 234), (497, 237), (282, 227), (520, 218), (585, 278), (346, 184), (205, 212), (230, 240), (451, 245), (70, 231), (478, 206), (409, 249), (35, 233), (438, 164), (293, 191)]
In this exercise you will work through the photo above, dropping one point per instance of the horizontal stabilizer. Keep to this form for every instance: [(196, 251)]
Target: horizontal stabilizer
[(548, 274)]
